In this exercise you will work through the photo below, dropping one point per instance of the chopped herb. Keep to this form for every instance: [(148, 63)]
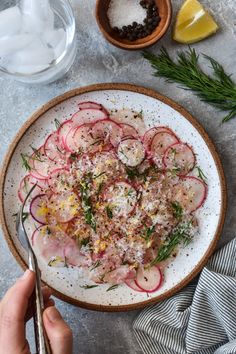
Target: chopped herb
[(96, 142), (36, 152), (122, 152), (100, 188), (132, 173), (55, 260), (25, 163), (140, 114), (201, 175), (177, 210), (73, 156), (99, 175), (148, 232), (88, 286), (109, 212), (175, 171), (113, 287), (57, 123), (95, 265), (129, 193), (181, 234), (86, 202), (84, 241)]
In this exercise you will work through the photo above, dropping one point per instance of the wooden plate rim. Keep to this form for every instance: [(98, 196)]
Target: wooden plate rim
[(148, 92)]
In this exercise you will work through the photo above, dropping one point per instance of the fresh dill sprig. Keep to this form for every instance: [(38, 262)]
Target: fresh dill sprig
[(113, 287), (57, 123), (148, 232), (181, 234), (86, 287), (84, 241), (95, 265), (218, 90), (109, 212), (25, 162), (36, 152), (177, 210), (201, 174)]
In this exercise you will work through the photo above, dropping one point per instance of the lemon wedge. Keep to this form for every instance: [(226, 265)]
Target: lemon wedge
[(193, 23)]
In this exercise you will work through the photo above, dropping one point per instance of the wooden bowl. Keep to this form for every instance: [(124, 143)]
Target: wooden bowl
[(165, 12)]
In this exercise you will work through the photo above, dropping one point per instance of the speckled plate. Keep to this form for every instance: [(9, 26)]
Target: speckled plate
[(156, 110)]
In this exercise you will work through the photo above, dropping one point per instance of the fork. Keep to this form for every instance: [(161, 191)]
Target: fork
[(41, 340)]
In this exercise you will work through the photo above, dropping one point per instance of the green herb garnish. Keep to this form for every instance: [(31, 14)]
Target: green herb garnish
[(84, 241), (132, 173), (36, 152), (57, 123), (86, 202), (177, 210), (148, 232), (95, 265), (201, 175), (109, 212), (113, 287), (99, 175), (181, 234), (218, 90), (88, 286), (25, 163), (100, 188)]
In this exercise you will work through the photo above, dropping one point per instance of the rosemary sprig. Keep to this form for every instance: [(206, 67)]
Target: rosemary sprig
[(181, 234), (218, 90), (113, 287), (88, 286)]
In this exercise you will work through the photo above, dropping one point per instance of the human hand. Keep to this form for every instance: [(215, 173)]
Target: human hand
[(14, 309)]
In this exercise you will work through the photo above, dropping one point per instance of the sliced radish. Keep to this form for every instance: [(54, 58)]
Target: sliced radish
[(149, 135), (61, 180), (39, 208), (56, 248), (190, 193), (121, 198), (53, 149), (107, 130), (41, 165), (83, 138), (64, 207), (88, 116), (132, 284), (70, 143), (160, 143), (27, 183), (129, 131), (180, 156), (131, 152), (64, 130), (92, 105), (149, 279)]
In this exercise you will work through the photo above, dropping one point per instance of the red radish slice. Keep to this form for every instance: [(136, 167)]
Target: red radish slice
[(27, 183), (132, 284), (160, 143), (179, 156), (131, 152), (64, 130), (64, 207), (190, 193), (129, 131), (53, 149), (56, 248), (83, 138), (41, 165), (149, 135), (39, 209), (70, 141), (107, 130), (88, 116), (92, 105), (149, 280), (60, 180), (121, 197)]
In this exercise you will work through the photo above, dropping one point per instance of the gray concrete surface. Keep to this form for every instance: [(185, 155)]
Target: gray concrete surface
[(98, 61)]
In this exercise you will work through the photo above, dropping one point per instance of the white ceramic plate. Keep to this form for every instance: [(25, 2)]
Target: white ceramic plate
[(156, 110)]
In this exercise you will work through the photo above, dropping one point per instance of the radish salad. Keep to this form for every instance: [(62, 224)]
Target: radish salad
[(110, 200)]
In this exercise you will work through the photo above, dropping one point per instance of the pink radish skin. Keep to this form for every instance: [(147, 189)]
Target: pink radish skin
[(190, 192), (26, 183), (64, 130), (88, 116), (35, 206), (41, 165), (149, 135), (129, 131), (52, 147), (160, 142), (92, 105), (132, 284), (107, 130), (70, 141), (149, 280), (179, 155)]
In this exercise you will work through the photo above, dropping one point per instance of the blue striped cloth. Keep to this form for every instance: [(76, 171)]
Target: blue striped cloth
[(201, 319)]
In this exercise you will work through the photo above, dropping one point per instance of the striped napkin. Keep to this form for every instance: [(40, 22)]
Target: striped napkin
[(201, 319)]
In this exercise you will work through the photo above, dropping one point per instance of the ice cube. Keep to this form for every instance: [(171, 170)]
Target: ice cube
[(10, 21), (9, 45), (37, 15), (37, 53)]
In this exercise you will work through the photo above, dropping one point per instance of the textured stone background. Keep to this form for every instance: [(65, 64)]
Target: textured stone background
[(97, 61)]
